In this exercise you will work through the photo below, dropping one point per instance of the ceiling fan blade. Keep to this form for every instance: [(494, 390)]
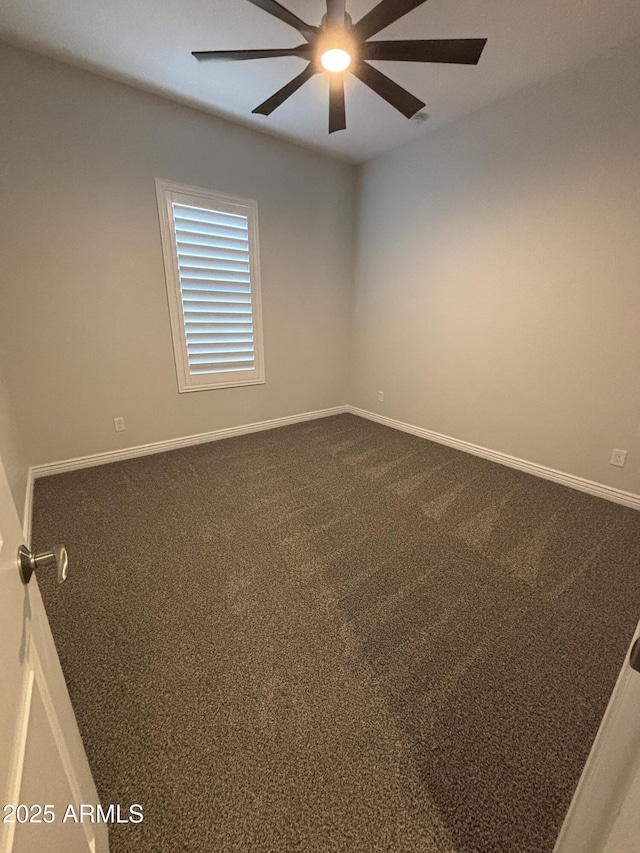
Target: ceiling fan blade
[(335, 12), (403, 101), (268, 106), (274, 8), (337, 115), (303, 50), (459, 51), (385, 13)]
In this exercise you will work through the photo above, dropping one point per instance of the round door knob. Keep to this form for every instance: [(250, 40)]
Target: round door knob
[(29, 561)]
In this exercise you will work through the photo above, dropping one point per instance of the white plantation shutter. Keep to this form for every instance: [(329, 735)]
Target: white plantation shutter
[(212, 279), (215, 284)]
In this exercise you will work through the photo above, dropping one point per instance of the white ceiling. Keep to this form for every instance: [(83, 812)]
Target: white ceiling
[(148, 43)]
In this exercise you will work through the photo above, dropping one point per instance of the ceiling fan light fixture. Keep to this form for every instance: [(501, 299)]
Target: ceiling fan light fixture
[(339, 45), (336, 59)]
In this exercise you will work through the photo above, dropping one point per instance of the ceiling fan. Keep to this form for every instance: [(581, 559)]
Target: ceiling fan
[(338, 45)]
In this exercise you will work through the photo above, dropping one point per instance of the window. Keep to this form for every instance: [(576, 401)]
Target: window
[(210, 247)]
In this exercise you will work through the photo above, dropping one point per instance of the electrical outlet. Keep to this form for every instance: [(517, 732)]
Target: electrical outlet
[(381, 396), (118, 424), (618, 457)]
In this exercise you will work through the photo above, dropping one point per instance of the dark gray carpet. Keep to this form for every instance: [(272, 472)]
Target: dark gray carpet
[(337, 637)]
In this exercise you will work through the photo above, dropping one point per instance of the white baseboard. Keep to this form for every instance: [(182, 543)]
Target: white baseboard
[(65, 465), (609, 493)]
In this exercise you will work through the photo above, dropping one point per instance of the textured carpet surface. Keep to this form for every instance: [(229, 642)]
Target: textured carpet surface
[(336, 637)]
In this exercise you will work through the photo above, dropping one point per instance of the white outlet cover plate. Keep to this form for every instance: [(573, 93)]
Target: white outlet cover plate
[(619, 457)]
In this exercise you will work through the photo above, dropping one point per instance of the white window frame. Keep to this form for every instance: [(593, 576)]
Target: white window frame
[(167, 193)]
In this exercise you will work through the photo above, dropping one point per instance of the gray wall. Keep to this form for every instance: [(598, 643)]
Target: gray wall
[(496, 300), (498, 287), (84, 322)]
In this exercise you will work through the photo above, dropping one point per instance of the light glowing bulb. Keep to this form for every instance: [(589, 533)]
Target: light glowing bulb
[(335, 59)]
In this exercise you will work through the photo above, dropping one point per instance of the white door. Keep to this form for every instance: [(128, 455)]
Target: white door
[(43, 766), (604, 816)]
